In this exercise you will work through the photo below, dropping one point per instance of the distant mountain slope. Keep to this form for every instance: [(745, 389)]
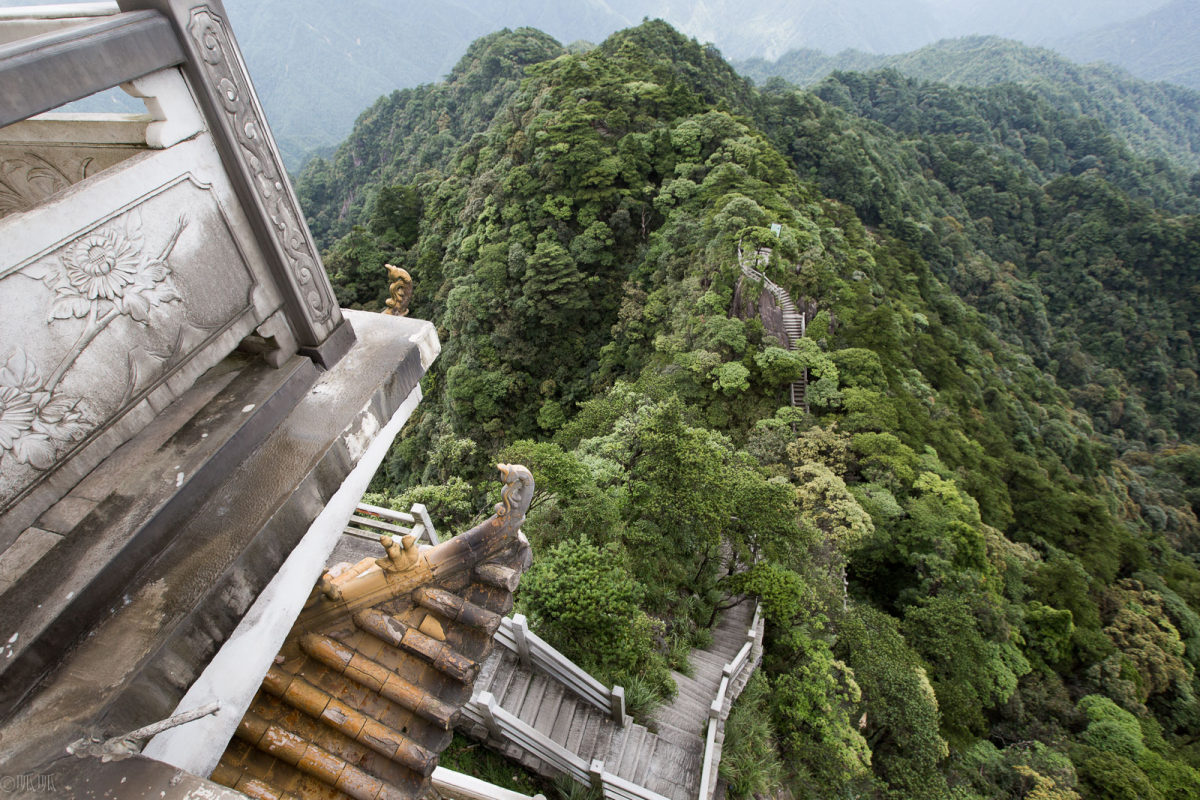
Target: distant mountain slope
[(1157, 120), (1163, 45), (317, 65), (1036, 21), (770, 28)]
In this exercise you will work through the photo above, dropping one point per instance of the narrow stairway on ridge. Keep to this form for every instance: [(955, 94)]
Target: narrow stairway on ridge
[(666, 756), (689, 710), (793, 320)]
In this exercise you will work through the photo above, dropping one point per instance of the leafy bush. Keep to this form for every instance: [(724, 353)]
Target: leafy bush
[(1106, 775), (582, 600), (1110, 727)]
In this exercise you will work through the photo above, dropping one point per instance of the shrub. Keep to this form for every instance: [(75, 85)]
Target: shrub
[(582, 599)]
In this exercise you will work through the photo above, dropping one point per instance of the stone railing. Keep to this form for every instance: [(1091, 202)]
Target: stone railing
[(142, 249), (505, 726), (485, 709), (369, 522), (456, 786), (733, 679), (189, 409), (531, 649)]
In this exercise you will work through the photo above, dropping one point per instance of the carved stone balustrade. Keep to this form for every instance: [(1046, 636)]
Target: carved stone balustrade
[(187, 419)]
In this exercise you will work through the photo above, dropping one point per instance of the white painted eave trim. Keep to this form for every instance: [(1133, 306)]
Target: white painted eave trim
[(235, 673)]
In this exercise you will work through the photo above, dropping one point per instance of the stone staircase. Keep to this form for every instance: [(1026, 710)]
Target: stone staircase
[(690, 709), (667, 762), (793, 320), (664, 758)]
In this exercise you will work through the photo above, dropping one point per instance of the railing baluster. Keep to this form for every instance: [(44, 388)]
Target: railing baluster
[(618, 705), (487, 709), (596, 773), (420, 512), (520, 629)]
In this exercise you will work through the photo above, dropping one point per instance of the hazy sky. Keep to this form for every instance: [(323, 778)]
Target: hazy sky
[(340, 55), (763, 27)]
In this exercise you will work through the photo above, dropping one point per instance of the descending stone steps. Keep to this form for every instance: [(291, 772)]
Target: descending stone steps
[(689, 711), (666, 764), (793, 320), (664, 757)]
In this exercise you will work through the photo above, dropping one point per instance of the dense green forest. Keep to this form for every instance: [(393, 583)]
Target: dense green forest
[(1157, 120), (975, 543)]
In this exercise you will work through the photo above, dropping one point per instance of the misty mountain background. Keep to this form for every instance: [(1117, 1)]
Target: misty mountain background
[(317, 64)]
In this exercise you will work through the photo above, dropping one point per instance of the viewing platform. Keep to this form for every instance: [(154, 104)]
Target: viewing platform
[(187, 419)]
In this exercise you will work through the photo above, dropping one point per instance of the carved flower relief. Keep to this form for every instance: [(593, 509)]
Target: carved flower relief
[(97, 278), (33, 421), (101, 264), (106, 273)]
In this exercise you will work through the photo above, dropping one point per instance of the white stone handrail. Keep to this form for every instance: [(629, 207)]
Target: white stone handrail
[(718, 703), (717, 712), (398, 523), (615, 787), (710, 763), (485, 709), (530, 648), (734, 668), (456, 786)]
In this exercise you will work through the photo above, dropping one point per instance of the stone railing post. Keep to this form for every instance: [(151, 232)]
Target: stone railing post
[(419, 511), (217, 75), (486, 702), (520, 628), (617, 699)]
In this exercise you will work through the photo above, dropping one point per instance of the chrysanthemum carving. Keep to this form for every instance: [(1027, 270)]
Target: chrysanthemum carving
[(98, 278), (107, 272), (34, 422), (102, 264), (17, 412)]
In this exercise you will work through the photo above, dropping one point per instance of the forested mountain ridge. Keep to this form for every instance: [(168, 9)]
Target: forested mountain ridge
[(1019, 612), (1157, 120), (412, 130), (1074, 251)]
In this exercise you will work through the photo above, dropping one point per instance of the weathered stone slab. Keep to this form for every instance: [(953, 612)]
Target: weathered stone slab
[(23, 554), (128, 308), (153, 481), (167, 625)]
